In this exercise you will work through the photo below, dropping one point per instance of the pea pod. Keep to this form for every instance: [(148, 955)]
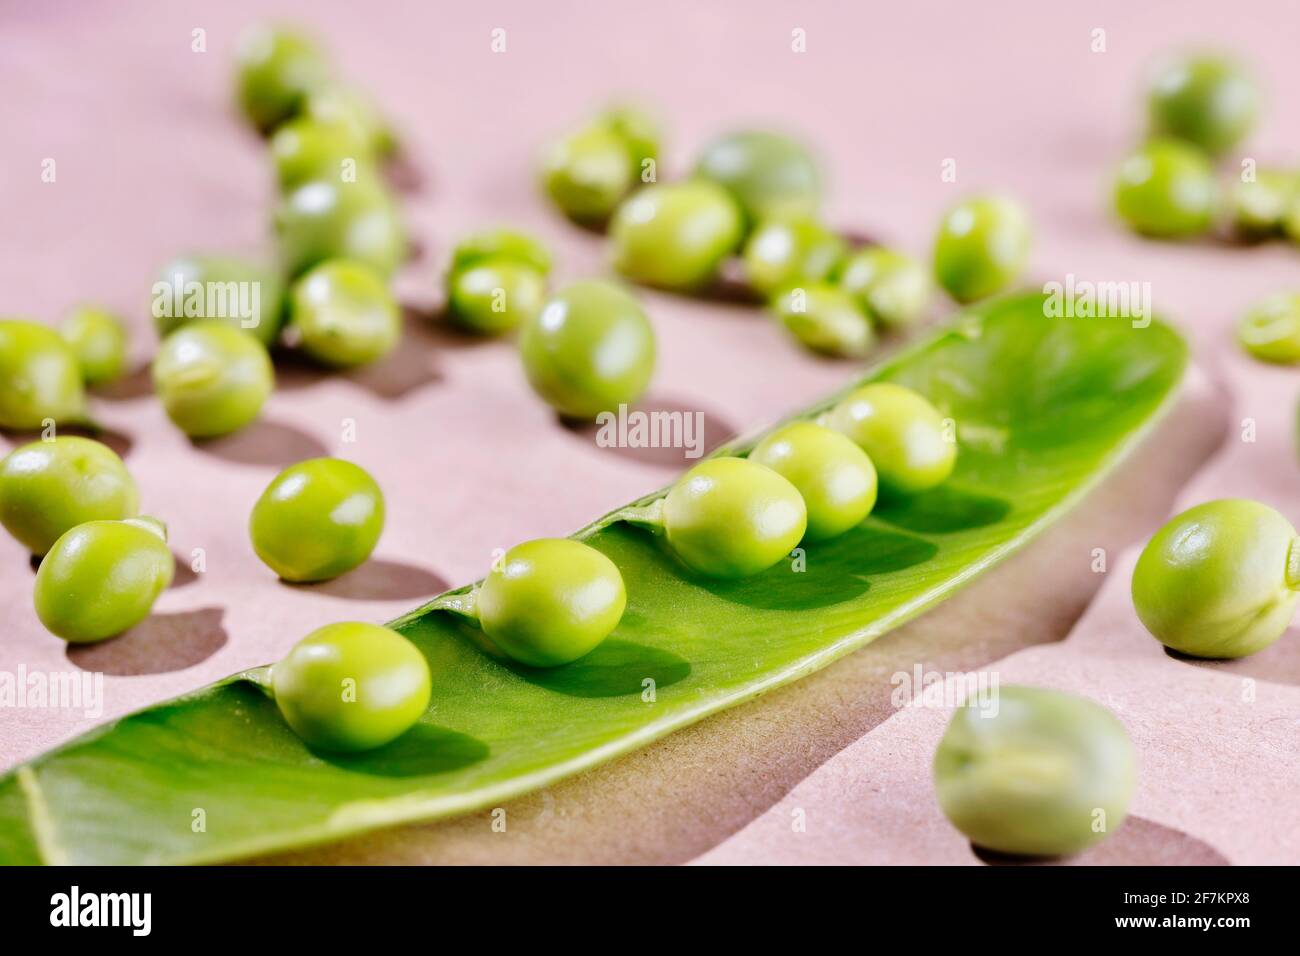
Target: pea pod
[(1031, 444)]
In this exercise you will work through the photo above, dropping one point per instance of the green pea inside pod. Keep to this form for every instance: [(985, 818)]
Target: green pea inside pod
[(497, 281), (675, 235), (1270, 331), (982, 247), (1260, 205), (1219, 580), (893, 289), (212, 378), (1205, 99), (350, 687), (204, 287), (342, 314), (1167, 190), (825, 319), (912, 446), (50, 486), (1034, 772), (307, 149), (833, 475), (40, 378), (277, 68), (768, 174), (101, 578), (333, 219), (98, 339), (791, 251), (317, 519)]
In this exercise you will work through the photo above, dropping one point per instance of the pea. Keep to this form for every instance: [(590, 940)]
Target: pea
[(675, 235), (329, 219), (903, 434), (276, 69), (343, 314), (495, 244), (99, 342), (197, 288), (346, 106), (102, 577), (306, 149), (351, 686), (550, 601), (891, 288), (982, 247), (768, 174), (317, 519), (212, 378), (825, 319), (1167, 190), (1219, 580), (834, 476), (785, 252), (497, 281), (40, 377), (589, 350), (640, 133), (1271, 330), (587, 174), (1209, 101), (51, 486), (1260, 206), (1035, 772), (731, 517)]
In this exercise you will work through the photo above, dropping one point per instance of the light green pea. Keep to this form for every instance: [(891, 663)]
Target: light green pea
[(891, 288), (306, 149), (276, 69), (793, 251), (675, 235), (1271, 329), (834, 476), (587, 174), (40, 378), (330, 219), (905, 437), (1260, 206), (982, 247), (349, 107), (343, 314), (496, 296), (825, 319), (197, 288), (497, 244), (768, 174), (1208, 100), (212, 378), (99, 341), (1167, 190)]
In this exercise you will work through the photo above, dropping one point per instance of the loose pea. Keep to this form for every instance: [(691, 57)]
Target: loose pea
[(501, 244), (834, 476), (825, 319), (306, 149), (351, 686), (768, 174), (40, 377), (550, 601), (277, 69), (212, 378), (1271, 329), (1167, 190), (330, 219), (640, 133), (335, 104), (793, 251), (587, 173), (99, 341), (317, 520), (1260, 206), (496, 296), (903, 434), (49, 487), (243, 294), (1209, 101), (1034, 772), (343, 314), (1219, 580), (675, 235), (893, 289), (982, 247), (102, 577)]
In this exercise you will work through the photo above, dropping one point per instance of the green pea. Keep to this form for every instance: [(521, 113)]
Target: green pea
[(40, 377), (1219, 580), (834, 476), (212, 378), (1260, 206), (1167, 190), (785, 252), (550, 601), (587, 173), (768, 174), (982, 247), (640, 133), (317, 519), (102, 577), (1291, 224), (1034, 772), (1207, 100), (51, 486), (893, 289), (495, 296), (306, 149), (731, 517), (343, 314), (904, 435), (99, 342), (243, 294), (337, 105), (330, 219), (825, 319), (1271, 330), (675, 235), (276, 69), (351, 686), (497, 244), (589, 350)]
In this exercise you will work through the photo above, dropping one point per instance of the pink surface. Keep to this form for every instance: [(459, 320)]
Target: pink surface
[(151, 161)]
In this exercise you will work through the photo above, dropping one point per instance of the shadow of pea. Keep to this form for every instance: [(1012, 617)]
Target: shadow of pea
[(134, 384), (264, 442), (120, 442), (160, 644), (1279, 663), (944, 509), (616, 668), (423, 751), (705, 431), (379, 580), (1137, 842)]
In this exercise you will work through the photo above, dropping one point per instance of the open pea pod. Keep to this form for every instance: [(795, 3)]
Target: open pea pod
[(1044, 407)]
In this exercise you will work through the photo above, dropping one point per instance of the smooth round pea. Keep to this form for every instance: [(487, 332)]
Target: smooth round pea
[(306, 149), (589, 350), (793, 251), (102, 577), (243, 294), (1260, 206), (825, 319), (1034, 772), (350, 686), (1219, 580), (893, 289), (587, 173), (1271, 329), (276, 70), (50, 487), (982, 247), (331, 219), (731, 517), (212, 378), (1207, 100), (99, 342), (834, 476), (639, 131), (343, 314), (1167, 190), (501, 244), (496, 295), (768, 174), (40, 377), (317, 519), (675, 235), (347, 106), (903, 434), (550, 601)]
